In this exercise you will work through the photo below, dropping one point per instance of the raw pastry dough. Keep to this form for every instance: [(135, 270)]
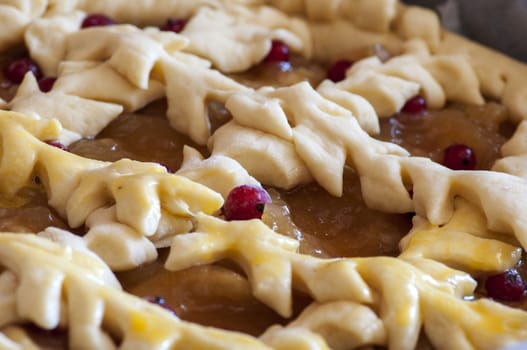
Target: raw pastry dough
[(236, 38), (141, 193), (59, 286), (74, 113), (467, 223)]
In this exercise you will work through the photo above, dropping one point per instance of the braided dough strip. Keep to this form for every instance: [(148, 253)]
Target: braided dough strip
[(243, 32), (387, 86), (500, 77), (503, 81), (154, 67), (274, 269), (17, 15), (429, 71), (70, 294), (143, 199), (325, 136), (92, 74), (322, 297)]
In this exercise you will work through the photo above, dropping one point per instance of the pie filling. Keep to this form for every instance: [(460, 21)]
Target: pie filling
[(221, 292)]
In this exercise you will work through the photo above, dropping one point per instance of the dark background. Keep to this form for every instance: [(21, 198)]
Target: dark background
[(501, 24)]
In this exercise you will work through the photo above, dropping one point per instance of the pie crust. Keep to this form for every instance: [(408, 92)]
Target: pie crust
[(467, 223)]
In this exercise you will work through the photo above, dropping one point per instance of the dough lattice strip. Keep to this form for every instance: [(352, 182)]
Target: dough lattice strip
[(388, 85), (405, 293), (141, 196), (131, 67), (57, 286), (17, 15), (502, 81), (434, 74), (326, 137)]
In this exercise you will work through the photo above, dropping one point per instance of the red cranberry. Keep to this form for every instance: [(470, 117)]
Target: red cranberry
[(245, 202), (506, 286), (158, 300), (459, 157), (337, 72), (279, 52), (46, 84), (415, 105), (56, 144), (17, 69), (174, 25), (96, 20)]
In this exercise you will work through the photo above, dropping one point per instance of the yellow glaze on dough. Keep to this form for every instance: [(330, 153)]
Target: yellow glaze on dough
[(48, 279)]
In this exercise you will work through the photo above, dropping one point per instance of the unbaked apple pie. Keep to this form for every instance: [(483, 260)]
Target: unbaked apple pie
[(251, 174)]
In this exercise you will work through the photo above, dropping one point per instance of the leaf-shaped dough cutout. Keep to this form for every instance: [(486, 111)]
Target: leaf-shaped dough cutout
[(73, 112)]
